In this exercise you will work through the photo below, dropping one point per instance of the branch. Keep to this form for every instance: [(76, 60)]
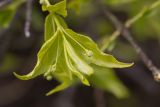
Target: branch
[(122, 29), (28, 18), (144, 12), (4, 2)]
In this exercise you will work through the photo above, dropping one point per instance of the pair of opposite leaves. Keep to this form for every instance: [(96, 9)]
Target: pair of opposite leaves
[(67, 55)]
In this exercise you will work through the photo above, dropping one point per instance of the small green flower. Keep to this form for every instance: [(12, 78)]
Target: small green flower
[(67, 55)]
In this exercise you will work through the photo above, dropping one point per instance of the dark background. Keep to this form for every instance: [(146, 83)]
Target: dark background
[(18, 54)]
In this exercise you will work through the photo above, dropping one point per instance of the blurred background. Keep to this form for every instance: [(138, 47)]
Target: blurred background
[(19, 54)]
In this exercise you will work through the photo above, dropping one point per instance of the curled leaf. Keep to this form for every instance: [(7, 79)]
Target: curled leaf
[(46, 58)]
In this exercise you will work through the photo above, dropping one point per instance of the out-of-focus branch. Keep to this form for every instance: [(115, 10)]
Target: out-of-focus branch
[(144, 12), (28, 18), (127, 35), (4, 2)]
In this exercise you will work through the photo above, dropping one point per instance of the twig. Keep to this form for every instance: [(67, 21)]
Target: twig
[(4, 2), (112, 38), (28, 18), (127, 35), (144, 12)]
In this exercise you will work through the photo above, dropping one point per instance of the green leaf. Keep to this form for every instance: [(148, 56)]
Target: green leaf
[(67, 55), (9, 63), (46, 57), (7, 13), (75, 5), (61, 87), (106, 79), (62, 22), (51, 27), (70, 58), (81, 65), (98, 57), (59, 8)]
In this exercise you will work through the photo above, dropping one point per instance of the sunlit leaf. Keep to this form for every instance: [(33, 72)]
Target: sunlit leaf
[(46, 58), (97, 57), (50, 26)]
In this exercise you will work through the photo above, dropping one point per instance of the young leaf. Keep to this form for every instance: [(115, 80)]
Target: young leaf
[(46, 57), (81, 65), (59, 8), (62, 86), (69, 62), (65, 61), (51, 27), (98, 57), (67, 55)]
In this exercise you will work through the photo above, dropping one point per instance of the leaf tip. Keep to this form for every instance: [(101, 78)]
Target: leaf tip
[(86, 82), (24, 77)]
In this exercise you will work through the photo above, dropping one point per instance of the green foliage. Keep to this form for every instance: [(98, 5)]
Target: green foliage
[(75, 5), (105, 79), (146, 16), (7, 13), (68, 56), (9, 62), (141, 13)]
